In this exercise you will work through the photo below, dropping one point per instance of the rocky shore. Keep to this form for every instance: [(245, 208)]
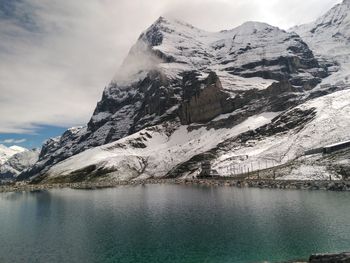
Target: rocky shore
[(330, 258), (277, 184), (327, 258), (269, 184), (19, 187)]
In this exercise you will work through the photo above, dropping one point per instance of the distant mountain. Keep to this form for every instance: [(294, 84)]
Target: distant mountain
[(254, 96), (7, 152), (18, 162)]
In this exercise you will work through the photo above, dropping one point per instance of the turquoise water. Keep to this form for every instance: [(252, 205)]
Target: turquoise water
[(169, 223)]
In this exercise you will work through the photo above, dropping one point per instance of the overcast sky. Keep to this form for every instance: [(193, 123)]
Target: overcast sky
[(56, 56)]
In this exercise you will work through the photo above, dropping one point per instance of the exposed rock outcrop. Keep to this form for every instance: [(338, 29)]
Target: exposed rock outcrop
[(203, 100)]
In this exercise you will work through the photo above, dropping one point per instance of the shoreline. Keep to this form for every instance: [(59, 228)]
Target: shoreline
[(340, 186)]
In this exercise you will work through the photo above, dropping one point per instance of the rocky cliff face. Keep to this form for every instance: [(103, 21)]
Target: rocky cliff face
[(179, 73), (203, 100)]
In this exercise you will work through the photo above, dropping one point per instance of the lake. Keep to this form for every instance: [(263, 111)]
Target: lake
[(172, 223)]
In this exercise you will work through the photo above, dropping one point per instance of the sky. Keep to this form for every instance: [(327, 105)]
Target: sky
[(56, 56)]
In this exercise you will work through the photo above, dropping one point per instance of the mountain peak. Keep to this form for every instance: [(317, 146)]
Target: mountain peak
[(161, 21), (252, 27), (166, 22), (171, 20), (18, 148), (256, 24), (164, 25)]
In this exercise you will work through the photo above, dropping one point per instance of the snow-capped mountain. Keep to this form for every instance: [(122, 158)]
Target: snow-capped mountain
[(254, 94), (250, 69), (7, 152), (18, 162)]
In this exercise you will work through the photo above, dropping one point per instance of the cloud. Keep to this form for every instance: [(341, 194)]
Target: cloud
[(56, 56), (10, 141), (226, 14)]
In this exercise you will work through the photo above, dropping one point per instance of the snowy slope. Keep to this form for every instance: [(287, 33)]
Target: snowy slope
[(330, 125), (152, 152), (329, 38)]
